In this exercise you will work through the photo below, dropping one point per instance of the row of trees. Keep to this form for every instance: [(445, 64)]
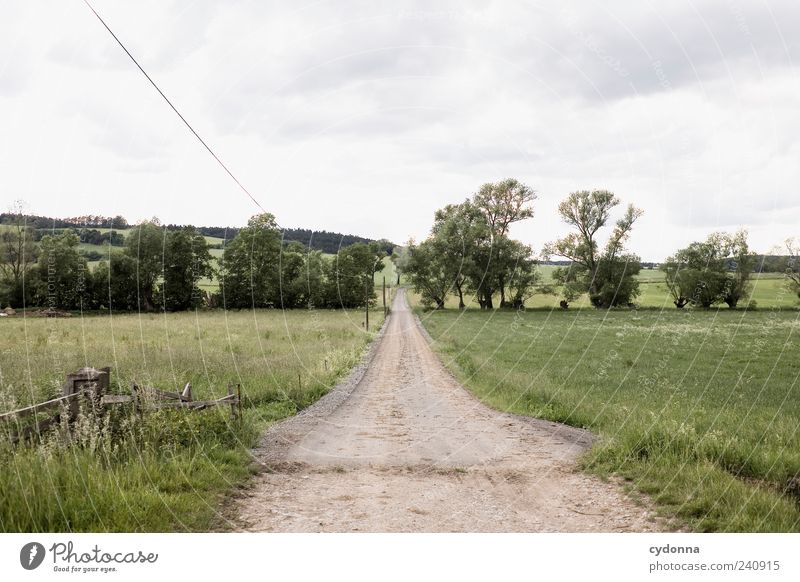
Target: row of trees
[(257, 270), (155, 267), (161, 269), (716, 270), (469, 250)]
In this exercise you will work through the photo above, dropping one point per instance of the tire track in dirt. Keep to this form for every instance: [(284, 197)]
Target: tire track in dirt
[(402, 446)]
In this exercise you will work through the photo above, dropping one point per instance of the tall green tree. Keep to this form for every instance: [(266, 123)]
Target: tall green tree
[(522, 275), (457, 233), (62, 273), (607, 274), (18, 255), (793, 265), (502, 203), (145, 243), (114, 284), (295, 280), (740, 269), (187, 260), (430, 274), (707, 272), (351, 275), (250, 272), (313, 280), (400, 257)]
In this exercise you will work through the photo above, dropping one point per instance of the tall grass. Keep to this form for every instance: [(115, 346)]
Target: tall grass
[(699, 409), (170, 470)]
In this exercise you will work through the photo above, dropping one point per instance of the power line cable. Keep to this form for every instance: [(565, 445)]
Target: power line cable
[(175, 109)]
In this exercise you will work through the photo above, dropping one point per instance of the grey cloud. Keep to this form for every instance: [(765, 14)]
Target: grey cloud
[(120, 133), (670, 45)]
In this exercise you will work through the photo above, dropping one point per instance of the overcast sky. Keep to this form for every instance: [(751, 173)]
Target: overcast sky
[(365, 117)]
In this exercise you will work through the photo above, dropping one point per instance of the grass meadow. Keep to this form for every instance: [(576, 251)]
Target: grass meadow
[(168, 471), (699, 409)]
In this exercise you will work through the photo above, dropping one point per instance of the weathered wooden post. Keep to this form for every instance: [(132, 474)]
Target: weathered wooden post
[(384, 296), (234, 407), (186, 395), (239, 400), (366, 307), (137, 399), (94, 382)]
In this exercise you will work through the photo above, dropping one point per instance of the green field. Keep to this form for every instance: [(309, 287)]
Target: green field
[(170, 471), (699, 409), (769, 290)]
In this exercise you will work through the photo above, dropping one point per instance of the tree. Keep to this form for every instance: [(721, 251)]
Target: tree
[(250, 274), (469, 250), (741, 265), (114, 284), (524, 276), (793, 265), (502, 204), (708, 272), (145, 244), (62, 274), (351, 275), (294, 276), (607, 275), (313, 279), (429, 274), (187, 260), (18, 255), (400, 258), (457, 231), (493, 265)]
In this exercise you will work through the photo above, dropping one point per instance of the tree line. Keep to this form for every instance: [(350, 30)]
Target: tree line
[(469, 251), (86, 228), (162, 269), (321, 240)]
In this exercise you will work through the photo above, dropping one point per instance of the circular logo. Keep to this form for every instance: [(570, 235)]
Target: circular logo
[(31, 555)]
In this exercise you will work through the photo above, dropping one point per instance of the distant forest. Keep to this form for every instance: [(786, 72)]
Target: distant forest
[(85, 227)]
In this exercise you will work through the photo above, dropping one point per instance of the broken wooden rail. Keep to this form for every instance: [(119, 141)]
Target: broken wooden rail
[(90, 386)]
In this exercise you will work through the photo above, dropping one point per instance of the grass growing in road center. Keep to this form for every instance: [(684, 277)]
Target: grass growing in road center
[(700, 409)]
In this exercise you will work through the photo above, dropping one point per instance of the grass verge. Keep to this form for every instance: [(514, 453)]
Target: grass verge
[(168, 471), (697, 409)]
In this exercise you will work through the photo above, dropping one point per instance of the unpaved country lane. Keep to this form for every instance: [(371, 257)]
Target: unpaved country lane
[(407, 448)]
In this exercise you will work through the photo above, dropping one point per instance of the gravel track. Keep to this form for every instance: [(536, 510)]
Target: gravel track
[(401, 446)]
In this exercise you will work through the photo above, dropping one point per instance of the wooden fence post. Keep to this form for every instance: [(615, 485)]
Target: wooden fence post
[(366, 307), (234, 411), (69, 389), (384, 296), (94, 382), (137, 399), (239, 400)]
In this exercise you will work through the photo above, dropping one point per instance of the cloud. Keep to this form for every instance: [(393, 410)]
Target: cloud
[(330, 112)]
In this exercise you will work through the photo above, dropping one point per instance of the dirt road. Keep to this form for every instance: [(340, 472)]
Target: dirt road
[(407, 448)]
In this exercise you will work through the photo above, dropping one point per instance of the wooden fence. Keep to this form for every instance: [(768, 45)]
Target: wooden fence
[(89, 386)]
